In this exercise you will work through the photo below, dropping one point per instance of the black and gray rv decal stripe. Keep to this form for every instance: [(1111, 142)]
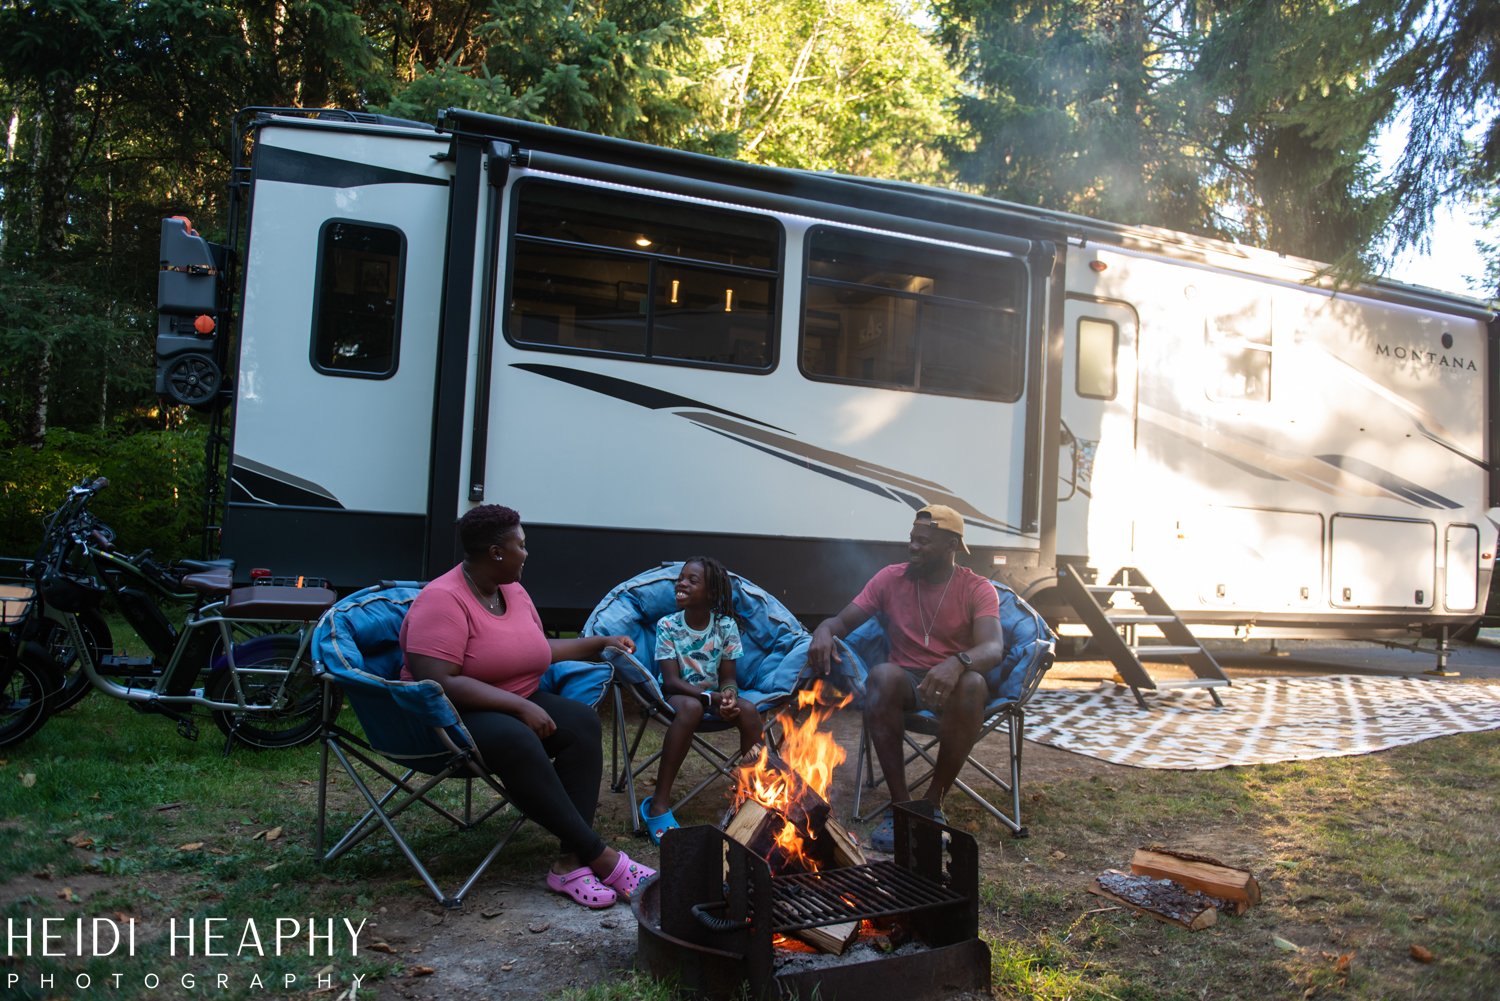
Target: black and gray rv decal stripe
[(629, 392), (275, 163), (251, 482), (903, 488), (1415, 493)]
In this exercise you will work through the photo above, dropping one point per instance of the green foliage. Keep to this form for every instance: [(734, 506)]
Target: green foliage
[(596, 66), (857, 88), (1446, 74), (154, 500)]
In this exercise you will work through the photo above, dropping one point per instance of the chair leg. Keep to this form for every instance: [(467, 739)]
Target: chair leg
[(621, 766), (457, 899), (322, 791)]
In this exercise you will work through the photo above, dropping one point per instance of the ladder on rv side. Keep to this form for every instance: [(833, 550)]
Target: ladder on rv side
[(1114, 629)]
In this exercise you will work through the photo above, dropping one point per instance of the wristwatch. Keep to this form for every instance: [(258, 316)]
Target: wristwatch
[(708, 700), (965, 659)]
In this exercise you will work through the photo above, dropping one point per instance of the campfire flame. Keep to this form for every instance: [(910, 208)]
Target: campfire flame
[(810, 754)]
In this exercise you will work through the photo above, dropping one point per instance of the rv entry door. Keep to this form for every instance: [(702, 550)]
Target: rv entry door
[(1095, 495)]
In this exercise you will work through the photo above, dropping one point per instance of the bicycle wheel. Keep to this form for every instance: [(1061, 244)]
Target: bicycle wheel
[(268, 723), (23, 701), (59, 645)]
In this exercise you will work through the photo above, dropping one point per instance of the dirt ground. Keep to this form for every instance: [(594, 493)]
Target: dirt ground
[(514, 939)]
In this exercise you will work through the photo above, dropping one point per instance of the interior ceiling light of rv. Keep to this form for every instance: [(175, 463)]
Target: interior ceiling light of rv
[(729, 300), (643, 241), (1097, 265), (675, 283)]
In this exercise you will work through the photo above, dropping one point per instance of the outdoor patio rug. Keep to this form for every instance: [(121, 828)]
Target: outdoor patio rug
[(1266, 720)]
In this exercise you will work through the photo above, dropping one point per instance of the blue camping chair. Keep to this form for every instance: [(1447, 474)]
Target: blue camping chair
[(413, 738), (1030, 649), (771, 670)]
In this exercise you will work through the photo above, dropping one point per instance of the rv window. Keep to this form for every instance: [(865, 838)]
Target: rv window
[(1239, 358), (912, 315), (357, 311), (1098, 341), (600, 270)]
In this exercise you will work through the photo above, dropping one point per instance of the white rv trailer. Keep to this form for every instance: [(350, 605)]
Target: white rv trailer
[(653, 353)]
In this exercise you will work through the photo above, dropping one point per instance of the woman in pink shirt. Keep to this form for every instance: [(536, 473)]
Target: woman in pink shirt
[(475, 631)]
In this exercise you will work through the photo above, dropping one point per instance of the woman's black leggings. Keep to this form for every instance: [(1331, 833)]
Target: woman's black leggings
[(555, 782)]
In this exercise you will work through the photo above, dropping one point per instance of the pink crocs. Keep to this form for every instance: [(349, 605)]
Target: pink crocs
[(627, 876), (583, 886)]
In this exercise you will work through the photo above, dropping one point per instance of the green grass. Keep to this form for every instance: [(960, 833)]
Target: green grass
[(109, 813), (1359, 858)]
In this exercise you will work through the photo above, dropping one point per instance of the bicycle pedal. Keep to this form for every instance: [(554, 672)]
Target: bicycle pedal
[(187, 729)]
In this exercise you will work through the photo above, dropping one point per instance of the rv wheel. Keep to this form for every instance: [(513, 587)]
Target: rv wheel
[(192, 379)]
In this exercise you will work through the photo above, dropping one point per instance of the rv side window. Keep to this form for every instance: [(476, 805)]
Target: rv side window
[(603, 271), (357, 310), (908, 315), (1239, 356), (1098, 343)]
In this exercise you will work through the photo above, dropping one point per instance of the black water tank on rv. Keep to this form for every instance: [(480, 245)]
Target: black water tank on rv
[(189, 296)]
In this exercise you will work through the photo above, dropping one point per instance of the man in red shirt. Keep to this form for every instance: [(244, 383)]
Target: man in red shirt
[(943, 622)]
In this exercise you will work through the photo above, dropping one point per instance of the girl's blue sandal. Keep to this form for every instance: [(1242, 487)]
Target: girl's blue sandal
[(657, 826)]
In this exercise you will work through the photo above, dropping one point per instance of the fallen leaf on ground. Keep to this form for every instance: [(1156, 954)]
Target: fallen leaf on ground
[(81, 840), (507, 967), (1284, 945), (537, 927), (420, 971), (168, 806), (191, 846), (381, 946), (28, 779), (273, 834), (1058, 853), (66, 893), (1341, 965), (1421, 954), (490, 914)]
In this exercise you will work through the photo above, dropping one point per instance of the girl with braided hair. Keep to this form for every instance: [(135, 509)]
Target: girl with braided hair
[(697, 648)]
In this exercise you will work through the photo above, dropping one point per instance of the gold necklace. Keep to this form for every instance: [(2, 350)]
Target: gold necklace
[(926, 625), (491, 600)]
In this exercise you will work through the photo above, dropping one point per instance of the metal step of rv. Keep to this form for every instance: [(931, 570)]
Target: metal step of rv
[(1152, 652), (1192, 683), (1135, 619), (1114, 629), (1120, 588)]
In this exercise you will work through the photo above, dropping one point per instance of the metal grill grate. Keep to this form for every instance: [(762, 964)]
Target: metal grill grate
[(855, 893)]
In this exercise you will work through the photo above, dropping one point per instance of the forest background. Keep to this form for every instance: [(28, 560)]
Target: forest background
[(1255, 121)]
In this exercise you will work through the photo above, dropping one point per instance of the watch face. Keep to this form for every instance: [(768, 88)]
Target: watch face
[(965, 659)]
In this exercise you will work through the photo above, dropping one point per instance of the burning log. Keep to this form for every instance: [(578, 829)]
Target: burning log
[(781, 812)]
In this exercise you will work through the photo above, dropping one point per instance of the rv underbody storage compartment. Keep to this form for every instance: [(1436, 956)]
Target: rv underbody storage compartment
[(189, 304)]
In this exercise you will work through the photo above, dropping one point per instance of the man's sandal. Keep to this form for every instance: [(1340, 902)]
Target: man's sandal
[(583, 886), (657, 826), (627, 876)]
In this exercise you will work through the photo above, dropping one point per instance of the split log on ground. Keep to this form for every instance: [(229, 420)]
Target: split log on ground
[(1236, 887), (1162, 899)]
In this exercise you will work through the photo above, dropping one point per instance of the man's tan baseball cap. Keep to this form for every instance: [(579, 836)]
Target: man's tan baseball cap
[(944, 517)]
